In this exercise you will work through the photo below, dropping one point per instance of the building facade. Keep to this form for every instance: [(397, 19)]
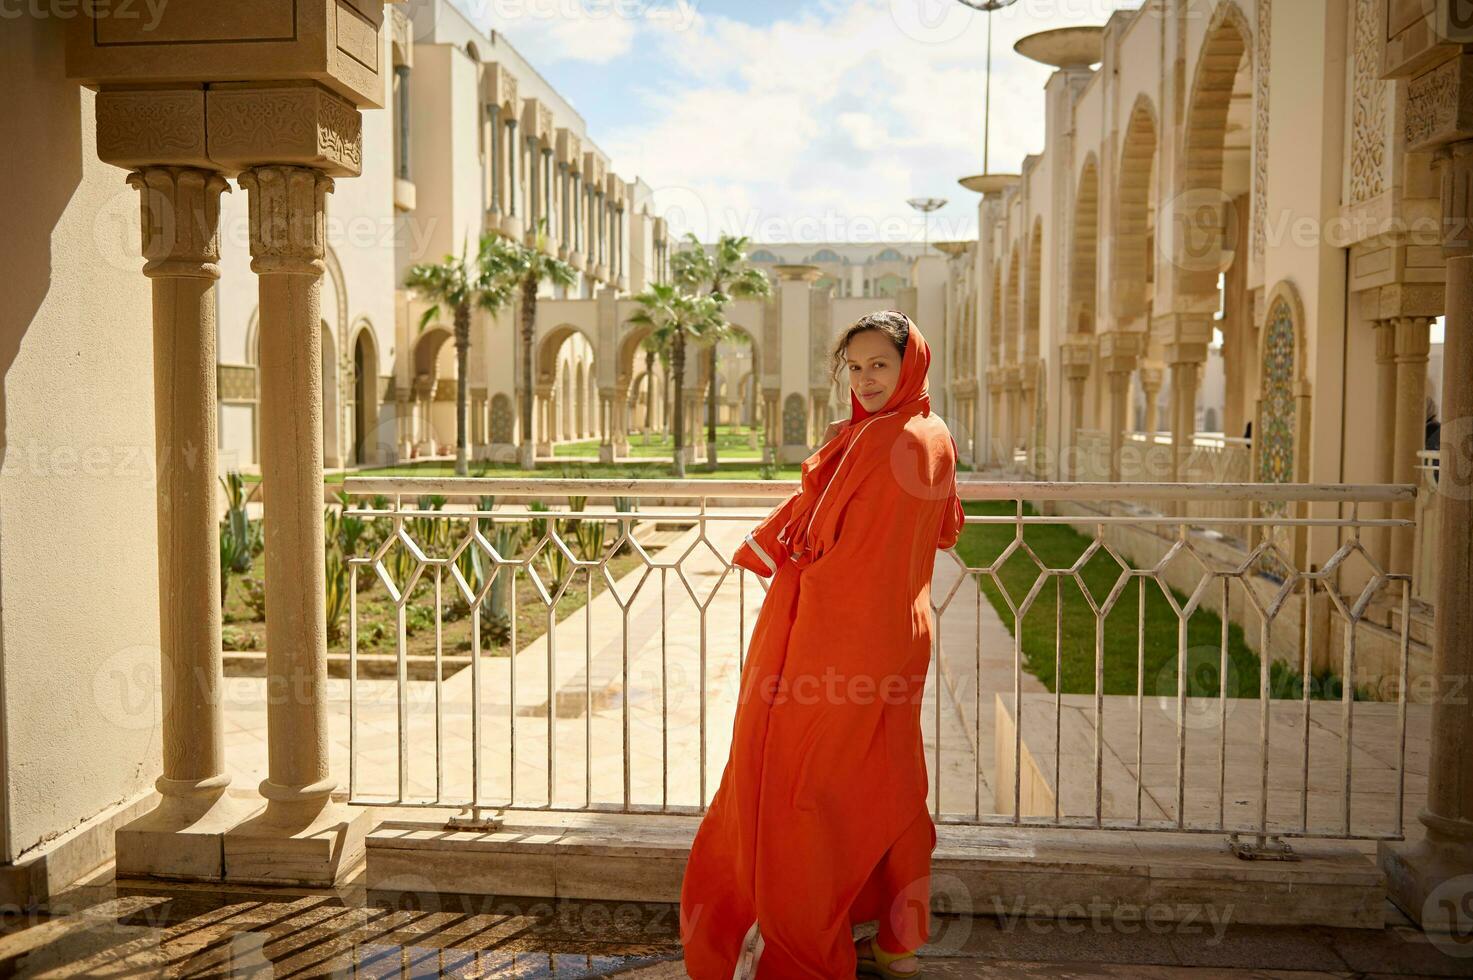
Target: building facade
[(1196, 280)]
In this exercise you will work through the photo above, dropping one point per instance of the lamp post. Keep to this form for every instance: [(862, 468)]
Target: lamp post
[(925, 205), (987, 7)]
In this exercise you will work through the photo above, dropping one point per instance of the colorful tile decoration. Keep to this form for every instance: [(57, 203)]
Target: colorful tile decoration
[(1274, 433)]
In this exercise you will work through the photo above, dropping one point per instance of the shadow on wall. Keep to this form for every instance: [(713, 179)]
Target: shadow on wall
[(45, 124)]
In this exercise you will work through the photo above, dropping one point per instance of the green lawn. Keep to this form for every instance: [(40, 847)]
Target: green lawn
[(731, 441), (748, 469), (1059, 546)]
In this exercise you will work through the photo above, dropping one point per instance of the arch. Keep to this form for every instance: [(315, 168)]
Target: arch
[(824, 255), (425, 357), (887, 284), (1033, 296), (631, 358), (1130, 280), (365, 444), (1202, 206), (890, 255), (762, 255), (550, 347), (646, 390), (1084, 259)]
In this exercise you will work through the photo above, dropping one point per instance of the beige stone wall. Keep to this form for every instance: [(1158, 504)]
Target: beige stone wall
[(79, 643)]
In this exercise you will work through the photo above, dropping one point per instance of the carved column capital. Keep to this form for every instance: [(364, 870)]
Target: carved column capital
[(287, 211), (180, 215), (1151, 376), (1413, 338)]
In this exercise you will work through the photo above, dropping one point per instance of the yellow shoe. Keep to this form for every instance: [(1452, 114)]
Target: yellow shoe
[(874, 960)]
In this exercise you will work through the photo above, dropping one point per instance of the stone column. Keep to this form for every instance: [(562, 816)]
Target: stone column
[(1006, 417), (1186, 360), (606, 441), (1078, 352), (303, 835), (404, 423), (1412, 344), (180, 209), (1118, 356), (1150, 376), (494, 167), (1383, 439), (402, 73), (1028, 410), (1432, 879), (542, 438), (1119, 381), (619, 419)]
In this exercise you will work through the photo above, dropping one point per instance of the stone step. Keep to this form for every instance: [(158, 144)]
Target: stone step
[(989, 870)]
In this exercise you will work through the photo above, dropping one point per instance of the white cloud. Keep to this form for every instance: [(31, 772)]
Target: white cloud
[(820, 124)]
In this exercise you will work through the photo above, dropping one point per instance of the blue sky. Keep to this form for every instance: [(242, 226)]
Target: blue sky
[(808, 120)]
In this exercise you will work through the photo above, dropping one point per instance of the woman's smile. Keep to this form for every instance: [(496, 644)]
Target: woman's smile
[(874, 368)]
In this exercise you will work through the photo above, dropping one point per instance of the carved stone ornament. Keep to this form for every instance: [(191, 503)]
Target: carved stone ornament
[(142, 128), (303, 125), (180, 212), (287, 211), (1438, 105), (1368, 113)]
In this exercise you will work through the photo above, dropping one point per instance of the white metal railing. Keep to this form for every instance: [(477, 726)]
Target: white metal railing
[(633, 691)]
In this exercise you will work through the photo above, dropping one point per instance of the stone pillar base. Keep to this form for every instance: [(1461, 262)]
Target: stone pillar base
[(1431, 881), (768, 454), (525, 457), (544, 449), (273, 848), (181, 837), (606, 452)]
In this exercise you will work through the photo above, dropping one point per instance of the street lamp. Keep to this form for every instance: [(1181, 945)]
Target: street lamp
[(987, 7), (925, 205)]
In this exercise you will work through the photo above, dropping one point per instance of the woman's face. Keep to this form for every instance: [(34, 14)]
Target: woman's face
[(873, 364)]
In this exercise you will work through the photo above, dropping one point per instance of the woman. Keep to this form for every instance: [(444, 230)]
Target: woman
[(820, 820)]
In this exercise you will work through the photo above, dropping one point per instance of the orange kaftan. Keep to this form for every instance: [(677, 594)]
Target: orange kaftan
[(820, 820)]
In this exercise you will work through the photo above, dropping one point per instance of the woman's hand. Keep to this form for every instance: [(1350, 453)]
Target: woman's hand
[(832, 429)]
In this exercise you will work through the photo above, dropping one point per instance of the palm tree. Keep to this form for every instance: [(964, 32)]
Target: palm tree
[(726, 274), (531, 266), (675, 318), (461, 285)]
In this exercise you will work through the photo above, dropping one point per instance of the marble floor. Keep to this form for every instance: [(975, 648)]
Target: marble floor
[(105, 928)]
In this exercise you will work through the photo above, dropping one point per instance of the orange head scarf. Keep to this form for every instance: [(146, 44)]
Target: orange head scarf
[(912, 396)]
